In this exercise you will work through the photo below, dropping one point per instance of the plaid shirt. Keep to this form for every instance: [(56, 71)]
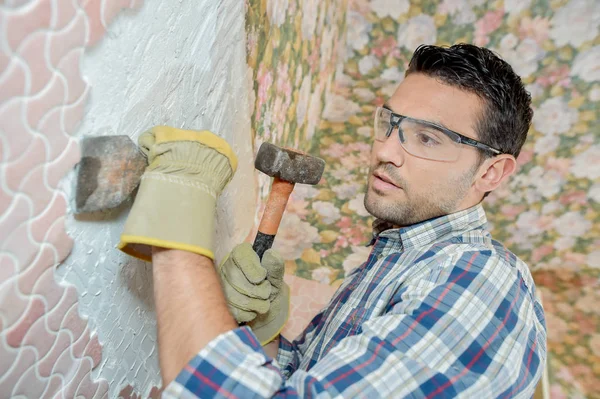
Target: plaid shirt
[(439, 309)]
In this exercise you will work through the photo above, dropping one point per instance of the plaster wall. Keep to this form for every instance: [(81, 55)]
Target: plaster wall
[(181, 64)]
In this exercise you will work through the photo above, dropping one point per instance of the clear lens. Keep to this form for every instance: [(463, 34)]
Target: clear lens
[(418, 139), (427, 141), (382, 123)]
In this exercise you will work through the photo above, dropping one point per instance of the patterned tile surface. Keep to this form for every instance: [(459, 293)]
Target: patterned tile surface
[(46, 347)]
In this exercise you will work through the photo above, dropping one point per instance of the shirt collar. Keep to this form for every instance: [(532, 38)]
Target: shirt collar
[(432, 230)]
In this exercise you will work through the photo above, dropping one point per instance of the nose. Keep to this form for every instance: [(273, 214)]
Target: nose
[(390, 150)]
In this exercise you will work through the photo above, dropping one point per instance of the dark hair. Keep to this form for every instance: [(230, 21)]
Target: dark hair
[(507, 111)]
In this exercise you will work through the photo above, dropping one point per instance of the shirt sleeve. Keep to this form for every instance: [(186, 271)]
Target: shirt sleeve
[(460, 332)]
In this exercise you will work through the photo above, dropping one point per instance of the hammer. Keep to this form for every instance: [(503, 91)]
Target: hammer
[(111, 168), (287, 167)]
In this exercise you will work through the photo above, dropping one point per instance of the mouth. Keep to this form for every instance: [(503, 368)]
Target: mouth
[(382, 182)]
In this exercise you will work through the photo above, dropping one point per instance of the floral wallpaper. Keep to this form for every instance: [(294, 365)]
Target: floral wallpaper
[(548, 214)]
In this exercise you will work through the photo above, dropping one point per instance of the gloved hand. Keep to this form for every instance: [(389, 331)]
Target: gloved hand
[(264, 303), (175, 204)]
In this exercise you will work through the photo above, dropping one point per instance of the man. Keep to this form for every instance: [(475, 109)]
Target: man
[(439, 309)]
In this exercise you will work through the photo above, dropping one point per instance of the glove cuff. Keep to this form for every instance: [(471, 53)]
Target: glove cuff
[(166, 213), (269, 331)]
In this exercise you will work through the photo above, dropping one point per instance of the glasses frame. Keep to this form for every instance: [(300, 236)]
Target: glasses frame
[(396, 119)]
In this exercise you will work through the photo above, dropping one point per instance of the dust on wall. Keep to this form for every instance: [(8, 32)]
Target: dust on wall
[(174, 63)]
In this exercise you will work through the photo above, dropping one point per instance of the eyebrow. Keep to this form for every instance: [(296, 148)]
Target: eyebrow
[(435, 123)]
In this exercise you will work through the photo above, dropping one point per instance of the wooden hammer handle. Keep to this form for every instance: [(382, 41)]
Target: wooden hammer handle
[(276, 204)]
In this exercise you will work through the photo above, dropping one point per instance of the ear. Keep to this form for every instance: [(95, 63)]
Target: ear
[(495, 171)]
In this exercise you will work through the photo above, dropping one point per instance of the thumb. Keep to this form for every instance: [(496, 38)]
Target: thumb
[(146, 143)]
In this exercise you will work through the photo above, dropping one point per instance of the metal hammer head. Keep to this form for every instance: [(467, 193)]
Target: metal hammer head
[(289, 165)]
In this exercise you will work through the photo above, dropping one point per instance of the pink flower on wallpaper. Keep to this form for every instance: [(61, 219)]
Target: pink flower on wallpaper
[(297, 206), (265, 80), (314, 58), (555, 76), (388, 46), (540, 252), (341, 242), (556, 392), (283, 84), (335, 150), (525, 156), (486, 25), (574, 197), (536, 28), (344, 222), (560, 165), (511, 210)]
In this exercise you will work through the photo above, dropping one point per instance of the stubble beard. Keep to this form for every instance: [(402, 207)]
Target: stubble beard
[(416, 207)]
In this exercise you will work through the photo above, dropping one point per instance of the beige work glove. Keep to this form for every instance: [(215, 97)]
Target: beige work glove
[(175, 204), (255, 292)]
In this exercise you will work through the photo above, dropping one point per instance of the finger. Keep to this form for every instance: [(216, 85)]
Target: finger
[(237, 279), (248, 262), (244, 302), (146, 143), (275, 266), (241, 316)]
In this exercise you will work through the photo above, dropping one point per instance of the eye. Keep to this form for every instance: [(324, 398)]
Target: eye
[(427, 139)]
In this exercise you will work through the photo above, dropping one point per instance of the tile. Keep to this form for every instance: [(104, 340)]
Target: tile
[(7, 360), (56, 139), (12, 82), (34, 156), (14, 306), (102, 392), (56, 314), (17, 217), (111, 8), (8, 269), (60, 350), (64, 13), (19, 245), (127, 393), (4, 60), (41, 224), (155, 393), (72, 114), (56, 169), (45, 286), (78, 347), (94, 350), (53, 386), (80, 373), (26, 357), (31, 274), (33, 186), (38, 337), (86, 388), (32, 53), (70, 38), (16, 333), (29, 385), (53, 95), (6, 199), (11, 121), (93, 10), (21, 22), (69, 68), (59, 239), (74, 323)]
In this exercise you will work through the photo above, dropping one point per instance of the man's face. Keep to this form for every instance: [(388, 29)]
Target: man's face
[(419, 189)]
